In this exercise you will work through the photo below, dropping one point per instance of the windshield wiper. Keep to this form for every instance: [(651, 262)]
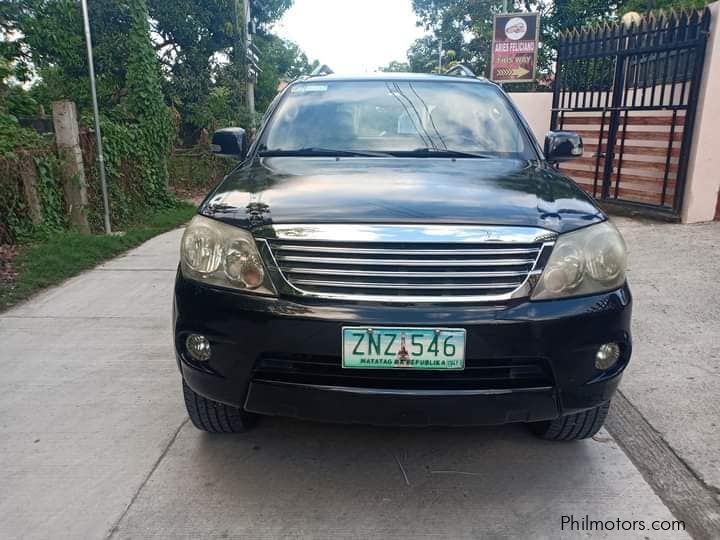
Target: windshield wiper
[(321, 152), (442, 152), (313, 151)]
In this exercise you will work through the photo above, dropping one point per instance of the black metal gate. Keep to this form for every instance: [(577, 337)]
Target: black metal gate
[(631, 92)]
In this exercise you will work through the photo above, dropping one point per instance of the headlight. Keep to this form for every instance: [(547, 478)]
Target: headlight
[(219, 254), (587, 261)]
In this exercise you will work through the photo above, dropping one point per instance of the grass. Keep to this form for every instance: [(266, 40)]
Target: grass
[(62, 255)]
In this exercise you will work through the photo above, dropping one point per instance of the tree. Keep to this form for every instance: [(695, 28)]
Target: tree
[(465, 27), (266, 12), (14, 101), (14, 61), (396, 67), (195, 39), (561, 15), (642, 6), (423, 54), (281, 59), (53, 38), (188, 36)]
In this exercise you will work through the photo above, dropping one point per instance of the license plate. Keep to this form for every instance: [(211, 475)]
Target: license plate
[(403, 348)]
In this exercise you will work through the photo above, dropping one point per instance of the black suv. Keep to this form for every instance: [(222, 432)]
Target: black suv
[(398, 249)]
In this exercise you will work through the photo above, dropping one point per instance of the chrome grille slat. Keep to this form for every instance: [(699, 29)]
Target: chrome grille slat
[(405, 262), (414, 286), (403, 274), (371, 251), (413, 263)]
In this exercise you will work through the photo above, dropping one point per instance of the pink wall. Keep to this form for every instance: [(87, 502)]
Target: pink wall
[(536, 108), (703, 179)]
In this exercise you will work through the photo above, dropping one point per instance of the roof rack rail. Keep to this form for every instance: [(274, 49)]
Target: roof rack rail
[(322, 69), (461, 70)]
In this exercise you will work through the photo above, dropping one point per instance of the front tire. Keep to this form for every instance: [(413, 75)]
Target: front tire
[(572, 427), (213, 417)]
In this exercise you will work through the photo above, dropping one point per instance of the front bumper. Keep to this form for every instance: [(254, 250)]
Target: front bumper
[(530, 361)]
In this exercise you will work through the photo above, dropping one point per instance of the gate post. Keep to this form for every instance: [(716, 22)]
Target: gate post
[(618, 93), (702, 184), (67, 138)]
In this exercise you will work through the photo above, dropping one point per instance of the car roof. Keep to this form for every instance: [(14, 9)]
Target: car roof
[(394, 76)]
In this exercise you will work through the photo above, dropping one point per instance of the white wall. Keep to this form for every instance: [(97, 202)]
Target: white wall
[(536, 108)]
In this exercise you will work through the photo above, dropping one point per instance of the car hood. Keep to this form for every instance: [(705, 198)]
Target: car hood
[(400, 190)]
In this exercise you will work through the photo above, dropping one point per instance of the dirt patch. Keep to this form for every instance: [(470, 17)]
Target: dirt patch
[(192, 195)]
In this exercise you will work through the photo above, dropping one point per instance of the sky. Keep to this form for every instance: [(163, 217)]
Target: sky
[(351, 36)]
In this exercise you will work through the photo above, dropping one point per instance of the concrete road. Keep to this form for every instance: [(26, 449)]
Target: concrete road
[(675, 371), (95, 443)]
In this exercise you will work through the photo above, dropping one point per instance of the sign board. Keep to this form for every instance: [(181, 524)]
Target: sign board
[(514, 47)]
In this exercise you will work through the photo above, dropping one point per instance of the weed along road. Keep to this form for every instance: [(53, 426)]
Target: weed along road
[(92, 449)]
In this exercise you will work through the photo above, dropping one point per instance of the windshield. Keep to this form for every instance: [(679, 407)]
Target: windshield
[(395, 117)]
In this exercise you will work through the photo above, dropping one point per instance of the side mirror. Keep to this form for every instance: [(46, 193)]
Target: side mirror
[(230, 143), (563, 145)]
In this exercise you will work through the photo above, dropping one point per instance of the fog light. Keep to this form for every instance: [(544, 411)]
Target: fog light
[(199, 347), (607, 356)]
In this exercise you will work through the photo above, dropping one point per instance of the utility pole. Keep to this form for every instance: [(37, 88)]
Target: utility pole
[(242, 55), (96, 112), (440, 56), (248, 63)]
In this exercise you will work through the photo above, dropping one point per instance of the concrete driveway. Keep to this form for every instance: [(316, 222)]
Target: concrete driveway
[(95, 442)]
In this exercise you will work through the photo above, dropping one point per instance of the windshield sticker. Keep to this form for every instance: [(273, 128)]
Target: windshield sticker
[(305, 88)]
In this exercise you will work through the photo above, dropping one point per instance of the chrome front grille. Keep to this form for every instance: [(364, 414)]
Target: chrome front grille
[(394, 263)]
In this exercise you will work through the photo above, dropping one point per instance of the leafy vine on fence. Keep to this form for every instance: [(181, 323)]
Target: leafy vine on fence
[(19, 148), (137, 136)]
